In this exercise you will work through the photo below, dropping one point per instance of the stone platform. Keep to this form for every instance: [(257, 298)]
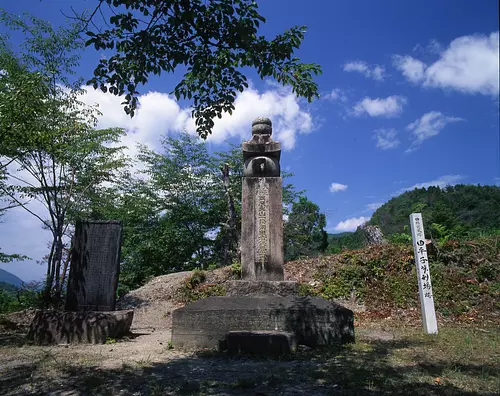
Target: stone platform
[(261, 288), (67, 327), (313, 321)]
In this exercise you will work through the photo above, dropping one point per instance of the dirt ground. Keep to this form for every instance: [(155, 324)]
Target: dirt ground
[(390, 356), (384, 360)]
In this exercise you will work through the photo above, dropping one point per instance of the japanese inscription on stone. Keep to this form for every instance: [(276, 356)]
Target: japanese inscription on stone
[(95, 264), (262, 222), (423, 273)]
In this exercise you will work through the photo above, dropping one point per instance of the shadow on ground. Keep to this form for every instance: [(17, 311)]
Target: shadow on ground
[(341, 371)]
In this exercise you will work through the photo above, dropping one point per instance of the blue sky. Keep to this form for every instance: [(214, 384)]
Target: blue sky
[(409, 98)]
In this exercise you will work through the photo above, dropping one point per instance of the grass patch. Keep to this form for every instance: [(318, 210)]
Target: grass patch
[(194, 288)]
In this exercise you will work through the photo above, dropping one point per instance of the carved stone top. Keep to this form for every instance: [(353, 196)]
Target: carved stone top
[(262, 126), (261, 153)]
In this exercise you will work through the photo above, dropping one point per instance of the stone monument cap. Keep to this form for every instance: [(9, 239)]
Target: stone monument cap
[(262, 126)]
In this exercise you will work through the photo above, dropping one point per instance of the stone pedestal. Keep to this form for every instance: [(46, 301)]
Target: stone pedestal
[(313, 321), (262, 229), (58, 327), (95, 265)]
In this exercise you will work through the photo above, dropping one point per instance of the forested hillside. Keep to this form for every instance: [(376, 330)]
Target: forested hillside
[(455, 212), (464, 210), (7, 277)]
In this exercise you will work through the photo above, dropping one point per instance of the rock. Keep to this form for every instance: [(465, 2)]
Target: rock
[(60, 327), (372, 235)]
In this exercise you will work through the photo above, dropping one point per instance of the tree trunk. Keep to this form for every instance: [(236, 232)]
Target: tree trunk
[(231, 236), (57, 269), (49, 279), (65, 266)]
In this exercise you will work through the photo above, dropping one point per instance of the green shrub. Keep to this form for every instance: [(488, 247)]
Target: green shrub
[(487, 271), (400, 238), (193, 288), (306, 290), (236, 270), (342, 282), (14, 299), (197, 277)]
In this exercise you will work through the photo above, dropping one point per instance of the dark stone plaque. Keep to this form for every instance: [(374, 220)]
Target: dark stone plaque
[(95, 265)]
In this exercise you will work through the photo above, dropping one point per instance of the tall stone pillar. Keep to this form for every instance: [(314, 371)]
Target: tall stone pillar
[(262, 209)]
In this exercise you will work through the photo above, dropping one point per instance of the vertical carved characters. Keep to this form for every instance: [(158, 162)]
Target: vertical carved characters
[(262, 223)]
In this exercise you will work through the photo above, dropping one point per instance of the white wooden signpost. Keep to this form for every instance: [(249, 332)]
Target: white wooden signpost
[(423, 273)]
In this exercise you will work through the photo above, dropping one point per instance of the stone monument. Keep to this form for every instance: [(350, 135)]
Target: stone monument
[(90, 315), (261, 312), (262, 206), (95, 266)]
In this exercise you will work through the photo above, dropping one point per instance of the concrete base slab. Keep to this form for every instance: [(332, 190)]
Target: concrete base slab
[(68, 327), (312, 320), (269, 343), (261, 288)]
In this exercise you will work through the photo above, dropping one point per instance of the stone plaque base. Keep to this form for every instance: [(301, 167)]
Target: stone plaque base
[(269, 343), (59, 327), (312, 320), (261, 288)]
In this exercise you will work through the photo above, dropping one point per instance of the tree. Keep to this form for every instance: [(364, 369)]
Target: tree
[(304, 230), (211, 41), (185, 214), (463, 210), (171, 214), (55, 156)]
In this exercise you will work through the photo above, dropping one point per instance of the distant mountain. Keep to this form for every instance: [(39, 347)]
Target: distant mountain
[(462, 209), (7, 277)]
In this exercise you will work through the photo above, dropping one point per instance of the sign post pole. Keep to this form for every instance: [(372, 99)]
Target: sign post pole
[(423, 273)]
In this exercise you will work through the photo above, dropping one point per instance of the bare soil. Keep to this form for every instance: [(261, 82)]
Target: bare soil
[(390, 356)]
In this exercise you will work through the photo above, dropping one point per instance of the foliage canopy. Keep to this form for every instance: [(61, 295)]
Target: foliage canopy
[(210, 41)]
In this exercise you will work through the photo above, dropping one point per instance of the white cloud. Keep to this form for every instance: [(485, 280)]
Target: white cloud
[(360, 67), (470, 64), (376, 72), (160, 114), (443, 181), (380, 107), (336, 94), (427, 126), (351, 224), (280, 105), (374, 206), (386, 138), (413, 69), (434, 47), (336, 187)]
